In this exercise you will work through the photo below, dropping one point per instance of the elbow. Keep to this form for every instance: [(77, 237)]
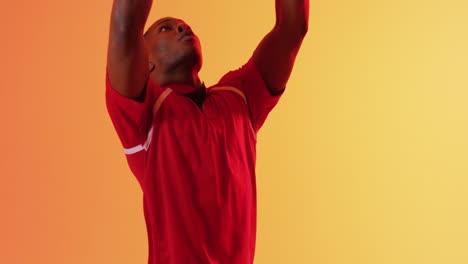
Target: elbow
[(125, 27), (296, 30), (129, 16), (302, 29), (300, 26)]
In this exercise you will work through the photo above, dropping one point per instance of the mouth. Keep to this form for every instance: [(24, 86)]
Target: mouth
[(187, 37)]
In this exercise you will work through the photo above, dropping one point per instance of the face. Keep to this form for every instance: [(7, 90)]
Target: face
[(172, 43)]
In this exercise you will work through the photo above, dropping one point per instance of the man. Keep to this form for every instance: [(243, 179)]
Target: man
[(191, 148)]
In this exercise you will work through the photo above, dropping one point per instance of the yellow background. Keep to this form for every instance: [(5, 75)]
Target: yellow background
[(364, 160)]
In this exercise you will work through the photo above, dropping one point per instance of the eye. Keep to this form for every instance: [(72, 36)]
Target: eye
[(164, 28)]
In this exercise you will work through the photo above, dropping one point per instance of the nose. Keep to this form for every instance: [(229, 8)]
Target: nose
[(183, 27)]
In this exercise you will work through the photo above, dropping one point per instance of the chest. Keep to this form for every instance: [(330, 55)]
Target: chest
[(223, 115)]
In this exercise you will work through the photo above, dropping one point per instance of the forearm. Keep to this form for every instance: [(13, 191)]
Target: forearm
[(129, 16), (292, 15)]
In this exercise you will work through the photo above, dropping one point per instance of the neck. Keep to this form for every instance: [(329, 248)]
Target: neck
[(187, 79)]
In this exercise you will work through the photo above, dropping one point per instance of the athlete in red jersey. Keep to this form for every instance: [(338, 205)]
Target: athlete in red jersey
[(192, 148)]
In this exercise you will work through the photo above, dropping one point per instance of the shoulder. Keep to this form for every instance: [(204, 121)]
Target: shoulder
[(228, 89)]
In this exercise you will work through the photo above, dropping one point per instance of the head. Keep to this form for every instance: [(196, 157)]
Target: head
[(173, 45)]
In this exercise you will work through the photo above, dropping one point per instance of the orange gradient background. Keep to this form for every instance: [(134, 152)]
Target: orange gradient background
[(364, 160)]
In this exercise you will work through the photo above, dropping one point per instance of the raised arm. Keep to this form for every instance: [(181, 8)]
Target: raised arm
[(127, 55), (276, 53)]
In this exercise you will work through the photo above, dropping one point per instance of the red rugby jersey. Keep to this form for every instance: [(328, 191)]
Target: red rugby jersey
[(196, 166)]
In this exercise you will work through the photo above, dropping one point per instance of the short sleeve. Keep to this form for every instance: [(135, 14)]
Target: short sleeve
[(132, 119), (259, 99)]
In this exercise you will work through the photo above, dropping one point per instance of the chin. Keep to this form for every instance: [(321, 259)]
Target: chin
[(194, 56)]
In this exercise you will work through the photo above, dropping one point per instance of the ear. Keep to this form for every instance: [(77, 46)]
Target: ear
[(151, 66)]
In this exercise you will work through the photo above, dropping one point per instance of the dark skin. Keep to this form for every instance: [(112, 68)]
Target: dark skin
[(172, 54)]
